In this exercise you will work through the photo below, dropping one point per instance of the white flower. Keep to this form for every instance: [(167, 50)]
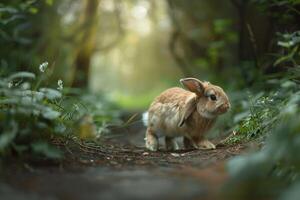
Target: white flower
[(60, 84), (76, 106), (43, 66), (10, 85)]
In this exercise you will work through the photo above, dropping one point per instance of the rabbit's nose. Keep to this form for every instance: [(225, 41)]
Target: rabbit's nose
[(224, 107), (228, 106)]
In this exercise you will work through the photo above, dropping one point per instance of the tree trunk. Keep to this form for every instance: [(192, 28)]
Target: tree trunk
[(86, 44)]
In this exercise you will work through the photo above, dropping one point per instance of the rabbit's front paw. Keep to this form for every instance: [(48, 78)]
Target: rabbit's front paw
[(205, 144), (171, 144), (151, 141), (151, 144)]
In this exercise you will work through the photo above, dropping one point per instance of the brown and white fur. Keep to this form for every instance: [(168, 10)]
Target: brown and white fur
[(189, 113)]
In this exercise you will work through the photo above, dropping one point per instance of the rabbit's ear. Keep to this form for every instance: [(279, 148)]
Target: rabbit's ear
[(193, 85), (189, 108)]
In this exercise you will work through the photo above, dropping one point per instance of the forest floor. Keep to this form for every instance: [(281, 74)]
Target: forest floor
[(121, 168)]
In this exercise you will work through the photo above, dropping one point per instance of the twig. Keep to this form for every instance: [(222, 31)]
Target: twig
[(253, 43)]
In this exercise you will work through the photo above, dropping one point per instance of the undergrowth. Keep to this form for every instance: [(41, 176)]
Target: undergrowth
[(33, 114), (256, 115), (272, 117)]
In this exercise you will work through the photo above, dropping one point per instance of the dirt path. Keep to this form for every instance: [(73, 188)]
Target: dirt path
[(121, 168)]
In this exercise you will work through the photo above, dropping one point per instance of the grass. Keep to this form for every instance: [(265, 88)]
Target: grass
[(133, 102)]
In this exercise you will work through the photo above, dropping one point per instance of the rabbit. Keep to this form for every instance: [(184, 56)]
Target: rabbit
[(189, 113)]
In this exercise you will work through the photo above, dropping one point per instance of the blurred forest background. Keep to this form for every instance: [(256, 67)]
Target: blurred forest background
[(64, 61)]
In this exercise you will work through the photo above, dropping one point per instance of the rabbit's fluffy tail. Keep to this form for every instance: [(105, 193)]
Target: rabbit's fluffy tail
[(145, 118)]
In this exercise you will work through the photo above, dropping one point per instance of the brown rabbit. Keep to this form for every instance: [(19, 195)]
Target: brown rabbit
[(177, 112)]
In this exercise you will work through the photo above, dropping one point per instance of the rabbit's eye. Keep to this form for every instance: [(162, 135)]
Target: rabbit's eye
[(213, 97)]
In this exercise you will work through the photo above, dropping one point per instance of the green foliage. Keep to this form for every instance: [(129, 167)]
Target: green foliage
[(224, 36), (286, 11), (14, 22), (259, 115), (32, 115), (18, 33), (216, 53), (291, 52), (28, 114), (274, 171)]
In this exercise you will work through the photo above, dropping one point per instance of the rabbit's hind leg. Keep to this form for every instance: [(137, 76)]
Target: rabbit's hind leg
[(171, 144), (205, 144), (151, 140), (188, 144)]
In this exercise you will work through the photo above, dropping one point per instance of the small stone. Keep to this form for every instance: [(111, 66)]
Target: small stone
[(145, 154), (113, 162), (175, 154)]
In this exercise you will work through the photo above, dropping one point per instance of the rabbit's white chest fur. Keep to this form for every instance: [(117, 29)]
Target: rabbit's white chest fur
[(166, 119)]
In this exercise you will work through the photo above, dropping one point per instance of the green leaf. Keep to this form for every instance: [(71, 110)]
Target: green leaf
[(8, 10), (288, 84), (49, 2), (51, 93), (33, 10), (21, 75), (11, 19), (51, 114), (285, 44), (47, 150), (282, 59)]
